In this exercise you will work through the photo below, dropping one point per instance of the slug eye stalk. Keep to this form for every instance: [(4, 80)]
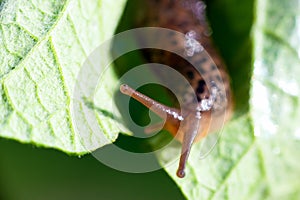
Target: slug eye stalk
[(175, 123)]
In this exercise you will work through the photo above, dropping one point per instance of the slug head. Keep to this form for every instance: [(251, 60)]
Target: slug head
[(186, 127)]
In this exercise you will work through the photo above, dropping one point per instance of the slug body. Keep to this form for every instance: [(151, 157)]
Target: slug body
[(213, 103)]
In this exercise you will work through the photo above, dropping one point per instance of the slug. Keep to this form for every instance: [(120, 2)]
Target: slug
[(214, 103)]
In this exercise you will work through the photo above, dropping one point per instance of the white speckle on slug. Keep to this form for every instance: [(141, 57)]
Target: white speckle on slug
[(191, 45)]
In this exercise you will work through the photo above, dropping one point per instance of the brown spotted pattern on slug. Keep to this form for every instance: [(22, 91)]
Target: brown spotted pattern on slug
[(178, 15), (185, 16)]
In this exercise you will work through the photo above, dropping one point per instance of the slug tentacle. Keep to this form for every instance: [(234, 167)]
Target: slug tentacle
[(172, 115), (190, 128), (185, 128)]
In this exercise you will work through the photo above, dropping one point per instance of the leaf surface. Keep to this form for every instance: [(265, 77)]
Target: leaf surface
[(43, 45)]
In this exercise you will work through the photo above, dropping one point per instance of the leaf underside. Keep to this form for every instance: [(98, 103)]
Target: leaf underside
[(43, 45)]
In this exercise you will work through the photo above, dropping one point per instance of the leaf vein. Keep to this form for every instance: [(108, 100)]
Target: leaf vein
[(66, 92), (42, 39), (238, 161)]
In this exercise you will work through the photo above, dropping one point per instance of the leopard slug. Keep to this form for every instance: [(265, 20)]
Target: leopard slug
[(213, 104)]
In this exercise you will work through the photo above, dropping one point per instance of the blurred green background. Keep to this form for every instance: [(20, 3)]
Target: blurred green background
[(31, 173)]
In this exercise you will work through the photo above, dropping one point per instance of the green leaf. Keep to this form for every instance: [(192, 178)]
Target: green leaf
[(257, 156), (43, 44)]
